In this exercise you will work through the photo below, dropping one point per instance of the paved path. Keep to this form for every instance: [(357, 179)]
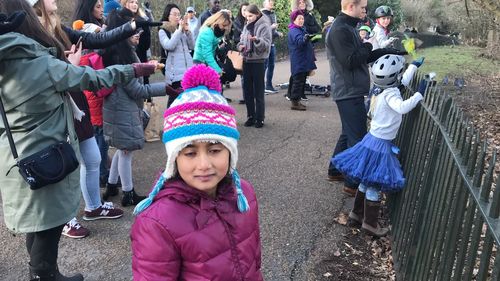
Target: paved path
[(286, 161)]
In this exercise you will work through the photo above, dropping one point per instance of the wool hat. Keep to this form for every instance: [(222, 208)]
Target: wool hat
[(294, 14), (190, 9), (200, 113), (111, 5), (32, 2)]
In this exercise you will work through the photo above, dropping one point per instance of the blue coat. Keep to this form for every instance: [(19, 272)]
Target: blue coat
[(301, 51)]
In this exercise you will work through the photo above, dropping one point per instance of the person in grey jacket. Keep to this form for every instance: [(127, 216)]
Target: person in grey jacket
[(177, 42), (122, 113), (269, 12), (255, 43)]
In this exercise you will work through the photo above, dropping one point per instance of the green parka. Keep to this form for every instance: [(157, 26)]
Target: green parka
[(33, 84)]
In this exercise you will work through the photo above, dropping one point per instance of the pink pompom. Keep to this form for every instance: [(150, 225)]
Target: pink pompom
[(201, 74)]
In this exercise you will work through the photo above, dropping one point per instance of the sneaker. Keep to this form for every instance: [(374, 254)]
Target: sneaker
[(106, 211), (304, 98), (287, 98), (73, 229), (229, 100), (270, 90), (241, 101), (259, 124), (249, 122)]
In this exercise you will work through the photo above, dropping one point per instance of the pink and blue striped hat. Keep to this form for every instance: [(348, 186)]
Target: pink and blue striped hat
[(200, 113)]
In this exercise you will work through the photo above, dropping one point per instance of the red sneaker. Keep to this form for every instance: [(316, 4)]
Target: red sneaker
[(73, 229), (106, 211)]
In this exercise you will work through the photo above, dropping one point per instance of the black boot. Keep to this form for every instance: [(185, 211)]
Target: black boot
[(111, 190), (52, 275), (357, 213), (131, 198)]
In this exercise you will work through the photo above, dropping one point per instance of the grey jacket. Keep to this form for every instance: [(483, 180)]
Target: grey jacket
[(178, 48), (122, 114), (261, 47)]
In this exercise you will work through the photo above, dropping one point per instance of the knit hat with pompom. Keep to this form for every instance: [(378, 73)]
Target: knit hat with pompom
[(200, 113)]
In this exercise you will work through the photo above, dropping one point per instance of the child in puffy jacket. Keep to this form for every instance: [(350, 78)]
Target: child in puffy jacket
[(200, 221), (373, 161)]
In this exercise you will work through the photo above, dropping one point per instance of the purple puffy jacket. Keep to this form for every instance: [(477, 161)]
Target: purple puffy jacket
[(186, 235)]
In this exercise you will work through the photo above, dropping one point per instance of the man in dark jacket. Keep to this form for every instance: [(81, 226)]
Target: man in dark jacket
[(213, 7), (350, 79), (269, 64)]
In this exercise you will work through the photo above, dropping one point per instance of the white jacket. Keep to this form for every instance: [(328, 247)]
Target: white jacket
[(390, 107)]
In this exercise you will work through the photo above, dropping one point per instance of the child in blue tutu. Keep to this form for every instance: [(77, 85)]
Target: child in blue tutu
[(372, 162)]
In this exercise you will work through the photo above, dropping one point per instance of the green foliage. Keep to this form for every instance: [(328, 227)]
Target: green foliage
[(396, 9)]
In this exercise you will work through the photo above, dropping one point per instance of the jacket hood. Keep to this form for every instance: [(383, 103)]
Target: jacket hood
[(14, 45), (295, 5), (262, 20)]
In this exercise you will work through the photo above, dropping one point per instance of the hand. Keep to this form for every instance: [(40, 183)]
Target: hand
[(422, 86), (274, 25), (171, 92), (241, 48), (74, 54), (392, 39), (252, 38), (280, 34), (143, 69), (11, 23), (308, 37), (418, 62)]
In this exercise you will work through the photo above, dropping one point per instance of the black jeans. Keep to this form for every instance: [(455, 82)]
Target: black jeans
[(176, 85), (296, 86), (253, 91), (43, 247), (353, 117)]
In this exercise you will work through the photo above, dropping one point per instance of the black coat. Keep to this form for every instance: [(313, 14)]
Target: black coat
[(99, 40)]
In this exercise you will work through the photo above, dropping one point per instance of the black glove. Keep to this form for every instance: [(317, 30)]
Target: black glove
[(422, 86), (308, 37), (11, 23), (144, 23)]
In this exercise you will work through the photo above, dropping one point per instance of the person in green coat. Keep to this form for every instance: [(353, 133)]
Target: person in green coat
[(34, 78)]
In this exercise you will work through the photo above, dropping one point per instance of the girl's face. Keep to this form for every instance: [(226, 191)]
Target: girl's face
[(384, 21), (251, 17), (98, 11), (302, 4), (299, 20), (50, 6), (202, 165), (244, 11), (132, 5), (174, 16), (362, 34)]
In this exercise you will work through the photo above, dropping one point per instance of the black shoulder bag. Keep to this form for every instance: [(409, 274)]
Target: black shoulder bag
[(47, 166)]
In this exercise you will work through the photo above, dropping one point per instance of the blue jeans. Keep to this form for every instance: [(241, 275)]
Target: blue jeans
[(103, 149), (89, 174), (269, 66)]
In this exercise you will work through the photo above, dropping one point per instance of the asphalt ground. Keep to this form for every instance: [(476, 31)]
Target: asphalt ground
[(286, 161)]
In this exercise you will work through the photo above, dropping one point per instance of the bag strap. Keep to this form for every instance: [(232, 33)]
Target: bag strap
[(7, 129)]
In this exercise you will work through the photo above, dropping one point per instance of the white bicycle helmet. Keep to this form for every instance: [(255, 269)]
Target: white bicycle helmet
[(387, 71)]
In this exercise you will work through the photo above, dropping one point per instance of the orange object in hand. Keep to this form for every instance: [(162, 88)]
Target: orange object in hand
[(78, 24)]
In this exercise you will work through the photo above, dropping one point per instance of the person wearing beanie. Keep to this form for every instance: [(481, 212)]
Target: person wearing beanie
[(110, 5), (122, 113), (301, 58), (200, 221)]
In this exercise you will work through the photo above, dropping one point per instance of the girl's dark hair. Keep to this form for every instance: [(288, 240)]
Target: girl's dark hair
[(84, 11), (253, 9), (167, 10), (239, 16), (31, 27), (121, 52)]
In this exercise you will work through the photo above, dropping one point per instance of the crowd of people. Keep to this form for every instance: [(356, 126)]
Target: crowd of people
[(88, 84)]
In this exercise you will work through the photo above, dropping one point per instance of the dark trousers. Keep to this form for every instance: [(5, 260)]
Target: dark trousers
[(253, 83), (269, 66), (43, 247), (103, 149), (296, 86), (353, 117)]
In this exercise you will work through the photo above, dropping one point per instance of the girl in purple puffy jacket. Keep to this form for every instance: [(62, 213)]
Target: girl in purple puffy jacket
[(200, 221)]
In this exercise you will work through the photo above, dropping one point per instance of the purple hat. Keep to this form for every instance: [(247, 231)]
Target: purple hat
[(294, 14)]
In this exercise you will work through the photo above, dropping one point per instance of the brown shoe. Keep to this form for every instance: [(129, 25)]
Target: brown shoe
[(338, 177), (349, 191), (297, 105)]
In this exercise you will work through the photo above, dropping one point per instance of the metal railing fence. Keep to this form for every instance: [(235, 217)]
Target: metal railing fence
[(446, 221)]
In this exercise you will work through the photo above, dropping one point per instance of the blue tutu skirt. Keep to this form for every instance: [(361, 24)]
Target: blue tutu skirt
[(373, 163)]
